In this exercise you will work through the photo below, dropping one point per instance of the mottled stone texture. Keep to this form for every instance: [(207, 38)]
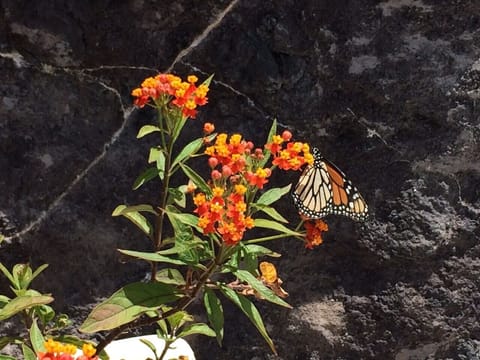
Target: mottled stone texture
[(388, 90)]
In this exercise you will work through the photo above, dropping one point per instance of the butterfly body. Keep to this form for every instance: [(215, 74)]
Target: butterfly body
[(324, 189)]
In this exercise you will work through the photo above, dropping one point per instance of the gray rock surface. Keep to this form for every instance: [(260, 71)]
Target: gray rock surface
[(388, 90)]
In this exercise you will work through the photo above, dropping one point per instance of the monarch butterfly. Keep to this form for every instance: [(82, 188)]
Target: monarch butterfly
[(324, 189)]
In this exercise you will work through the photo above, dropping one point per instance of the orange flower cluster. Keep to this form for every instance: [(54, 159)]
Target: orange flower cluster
[(291, 157), (236, 169), (313, 236), (185, 94), (58, 351), (233, 168), (224, 213)]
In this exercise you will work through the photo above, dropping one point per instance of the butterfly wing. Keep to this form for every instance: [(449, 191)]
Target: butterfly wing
[(324, 189)]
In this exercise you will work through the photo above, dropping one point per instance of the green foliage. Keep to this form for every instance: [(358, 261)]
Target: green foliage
[(214, 309), (31, 307)]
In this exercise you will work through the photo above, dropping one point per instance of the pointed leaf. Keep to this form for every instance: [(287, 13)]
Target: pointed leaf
[(250, 311), (145, 177), (150, 346), (177, 196), (187, 219), (137, 219), (259, 250), (170, 276), (178, 126), (22, 273), (155, 257), (191, 149), (5, 340), (122, 209), (214, 312), (7, 274), (22, 303), (258, 286), (158, 157), (127, 304), (7, 357), (270, 211), (28, 353), (147, 129), (272, 195), (188, 151), (273, 225), (198, 328), (183, 237), (196, 179), (267, 153), (36, 338), (38, 271), (3, 300), (208, 80)]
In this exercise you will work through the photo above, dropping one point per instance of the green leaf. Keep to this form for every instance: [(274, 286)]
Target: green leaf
[(21, 303), (178, 126), (178, 319), (151, 347), (7, 274), (274, 214), (145, 177), (127, 304), (45, 313), (187, 219), (250, 262), (5, 340), (196, 179), (3, 300), (191, 149), (272, 195), (28, 353), (208, 80), (147, 129), (250, 311), (267, 153), (183, 237), (259, 250), (137, 219), (162, 332), (273, 225), (198, 328), (177, 196), (155, 257), (214, 309), (123, 209), (36, 338), (38, 271), (7, 357), (22, 273), (158, 157), (170, 276), (258, 286)]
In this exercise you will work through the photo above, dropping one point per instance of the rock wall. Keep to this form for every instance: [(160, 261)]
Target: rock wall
[(388, 90)]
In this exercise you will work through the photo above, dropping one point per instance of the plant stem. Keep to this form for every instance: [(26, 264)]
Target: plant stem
[(163, 202), (165, 349)]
